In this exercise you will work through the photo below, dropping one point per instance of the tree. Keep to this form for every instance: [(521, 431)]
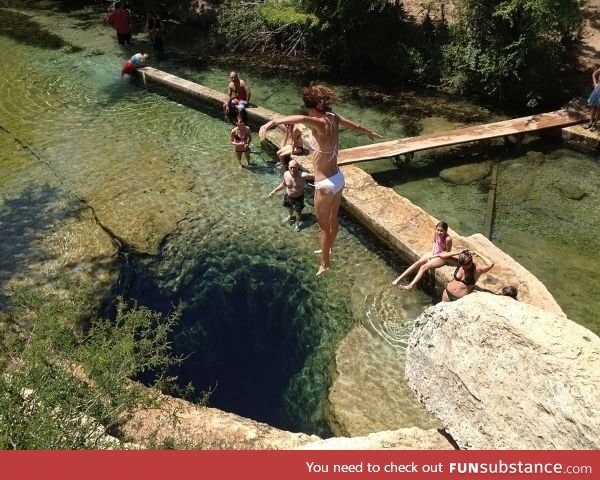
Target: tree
[(368, 39), (513, 52)]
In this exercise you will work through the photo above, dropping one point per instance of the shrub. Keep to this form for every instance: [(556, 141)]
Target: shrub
[(61, 389)]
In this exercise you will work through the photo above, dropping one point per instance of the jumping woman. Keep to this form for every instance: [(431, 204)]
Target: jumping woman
[(329, 180)]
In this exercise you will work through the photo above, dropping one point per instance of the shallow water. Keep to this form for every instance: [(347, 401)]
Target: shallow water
[(258, 327), (550, 235)]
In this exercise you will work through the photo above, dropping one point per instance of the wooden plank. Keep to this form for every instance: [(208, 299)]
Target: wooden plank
[(491, 203), (533, 123)]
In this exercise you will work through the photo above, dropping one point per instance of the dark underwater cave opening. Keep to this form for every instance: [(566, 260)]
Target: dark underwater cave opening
[(251, 333)]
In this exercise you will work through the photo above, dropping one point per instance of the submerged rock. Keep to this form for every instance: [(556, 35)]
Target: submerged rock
[(573, 192), (502, 374), (466, 174)]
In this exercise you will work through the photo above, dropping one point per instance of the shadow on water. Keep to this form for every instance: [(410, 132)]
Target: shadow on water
[(430, 163), (253, 331), (23, 221), (20, 28)]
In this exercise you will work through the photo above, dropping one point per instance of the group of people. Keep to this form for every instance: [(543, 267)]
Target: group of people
[(466, 272), (329, 183), (120, 19)]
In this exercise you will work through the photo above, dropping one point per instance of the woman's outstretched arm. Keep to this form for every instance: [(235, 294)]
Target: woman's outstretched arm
[(293, 119), (359, 128)]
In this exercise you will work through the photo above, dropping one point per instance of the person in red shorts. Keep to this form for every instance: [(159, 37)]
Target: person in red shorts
[(136, 61)]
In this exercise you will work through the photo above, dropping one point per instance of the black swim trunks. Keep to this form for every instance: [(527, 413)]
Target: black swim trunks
[(297, 203)]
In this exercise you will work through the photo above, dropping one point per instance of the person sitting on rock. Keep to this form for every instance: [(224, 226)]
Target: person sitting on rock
[(442, 242), (466, 274), (239, 97)]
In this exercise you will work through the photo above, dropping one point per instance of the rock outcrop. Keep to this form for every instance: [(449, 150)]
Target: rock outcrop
[(183, 425), (403, 439), (502, 374)]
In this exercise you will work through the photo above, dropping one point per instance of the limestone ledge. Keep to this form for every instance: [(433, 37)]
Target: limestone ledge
[(581, 139), (502, 374), (187, 426)]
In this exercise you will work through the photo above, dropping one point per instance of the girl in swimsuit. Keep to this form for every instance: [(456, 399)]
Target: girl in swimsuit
[(329, 181), (466, 274), (240, 137), (442, 242)]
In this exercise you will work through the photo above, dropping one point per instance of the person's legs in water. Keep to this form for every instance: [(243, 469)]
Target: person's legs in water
[(298, 216), (247, 157), (429, 265), (238, 157), (421, 261)]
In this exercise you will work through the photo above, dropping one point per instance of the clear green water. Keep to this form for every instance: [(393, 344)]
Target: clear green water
[(258, 327), (552, 236)]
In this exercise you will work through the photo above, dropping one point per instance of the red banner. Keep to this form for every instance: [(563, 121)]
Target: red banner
[(302, 465)]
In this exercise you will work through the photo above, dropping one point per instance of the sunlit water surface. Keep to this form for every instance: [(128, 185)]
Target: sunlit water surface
[(258, 328)]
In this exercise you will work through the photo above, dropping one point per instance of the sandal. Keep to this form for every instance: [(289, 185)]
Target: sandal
[(593, 128), (589, 125)]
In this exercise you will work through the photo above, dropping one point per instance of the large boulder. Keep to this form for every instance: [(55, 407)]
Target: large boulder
[(502, 374)]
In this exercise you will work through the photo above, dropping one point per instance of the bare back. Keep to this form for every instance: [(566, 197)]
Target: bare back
[(324, 145)]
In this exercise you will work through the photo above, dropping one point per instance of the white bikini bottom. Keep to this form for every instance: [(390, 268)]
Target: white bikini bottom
[(333, 184)]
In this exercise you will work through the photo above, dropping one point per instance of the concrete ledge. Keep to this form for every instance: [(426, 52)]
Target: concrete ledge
[(581, 139), (394, 220)]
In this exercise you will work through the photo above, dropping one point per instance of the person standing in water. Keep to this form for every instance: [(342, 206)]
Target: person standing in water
[(241, 137), (442, 242), (120, 19), (329, 180), (294, 182)]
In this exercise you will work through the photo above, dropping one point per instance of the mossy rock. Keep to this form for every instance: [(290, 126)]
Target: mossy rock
[(573, 192), (466, 174)]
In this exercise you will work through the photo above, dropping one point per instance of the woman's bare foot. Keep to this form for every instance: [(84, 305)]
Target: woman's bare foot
[(322, 269), (406, 287)]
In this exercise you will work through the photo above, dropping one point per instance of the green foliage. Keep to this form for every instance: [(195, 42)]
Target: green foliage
[(63, 390), (265, 28), (376, 40), (512, 51)]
